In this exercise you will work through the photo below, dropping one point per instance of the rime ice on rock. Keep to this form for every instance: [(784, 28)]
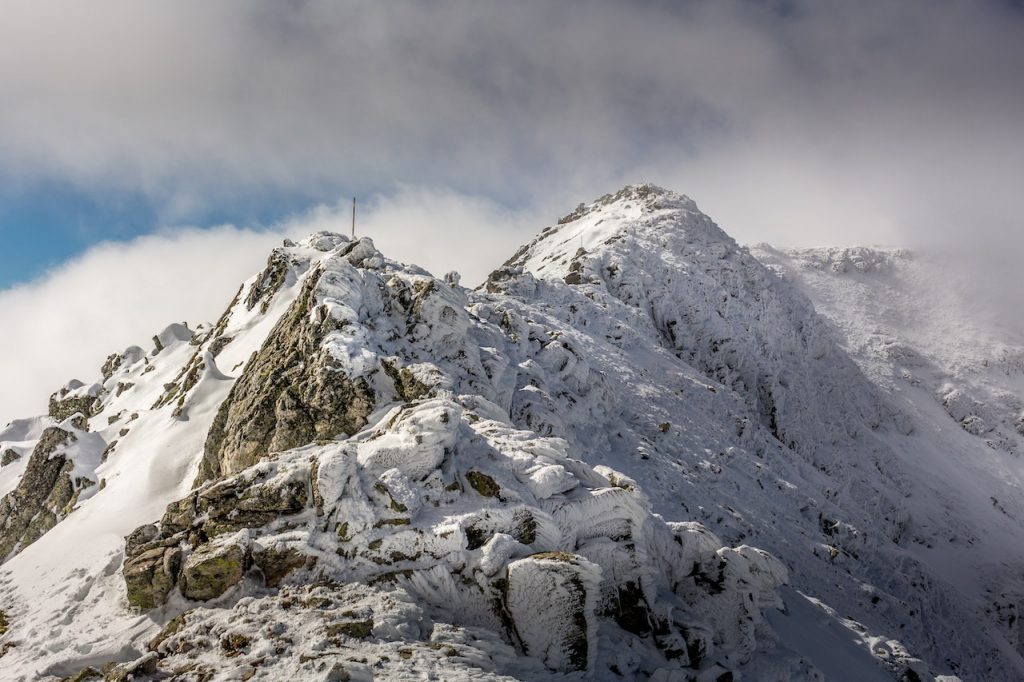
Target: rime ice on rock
[(398, 476)]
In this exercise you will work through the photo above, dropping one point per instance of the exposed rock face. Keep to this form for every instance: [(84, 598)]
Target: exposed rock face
[(290, 394), (8, 457), (210, 572), (276, 561), (270, 281), (206, 525), (238, 503), (73, 399), (151, 576), (111, 365), (44, 495)]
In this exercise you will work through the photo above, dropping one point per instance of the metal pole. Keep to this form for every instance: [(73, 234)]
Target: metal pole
[(353, 217)]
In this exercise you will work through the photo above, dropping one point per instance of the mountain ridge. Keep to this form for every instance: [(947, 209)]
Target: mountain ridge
[(355, 390)]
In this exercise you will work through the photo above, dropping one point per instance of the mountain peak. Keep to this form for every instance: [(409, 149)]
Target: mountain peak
[(633, 221), (645, 196), (378, 449)]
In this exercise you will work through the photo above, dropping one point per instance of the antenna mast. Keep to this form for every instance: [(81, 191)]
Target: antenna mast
[(353, 217)]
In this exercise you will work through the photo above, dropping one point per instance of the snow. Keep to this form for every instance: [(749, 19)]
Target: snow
[(21, 436), (658, 404), (959, 376), (65, 591), (416, 441), (839, 652)]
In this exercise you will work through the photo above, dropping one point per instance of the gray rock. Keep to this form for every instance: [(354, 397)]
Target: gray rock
[(277, 562), (8, 457), (290, 394), (270, 281), (44, 495), (151, 576), (211, 571), (62, 407), (233, 504), (112, 364), (140, 537)]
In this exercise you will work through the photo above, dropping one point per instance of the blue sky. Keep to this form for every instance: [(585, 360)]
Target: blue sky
[(465, 128), (45, 225), (793, 122)]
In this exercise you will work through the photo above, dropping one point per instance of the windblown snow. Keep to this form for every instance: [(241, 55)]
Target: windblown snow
[(638, 451)]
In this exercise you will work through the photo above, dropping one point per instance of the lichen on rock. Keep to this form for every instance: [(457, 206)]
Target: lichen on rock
[(211, 571), (269, 281), (483, 484), (151, 576), (259, 496), (290, 394), (75, 398)]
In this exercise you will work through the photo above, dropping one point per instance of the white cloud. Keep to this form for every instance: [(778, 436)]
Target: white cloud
[(820, 121), (118, 294), (793, 122), (115, 295), (437, 229)]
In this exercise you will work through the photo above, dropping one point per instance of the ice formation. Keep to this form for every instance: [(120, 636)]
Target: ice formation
[(635, 452)]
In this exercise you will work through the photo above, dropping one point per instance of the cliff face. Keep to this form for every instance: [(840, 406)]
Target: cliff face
[(47, 491), (372, 471), (289, 394)]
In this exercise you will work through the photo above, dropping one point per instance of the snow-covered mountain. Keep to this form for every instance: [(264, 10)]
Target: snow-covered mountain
[(636, 452)]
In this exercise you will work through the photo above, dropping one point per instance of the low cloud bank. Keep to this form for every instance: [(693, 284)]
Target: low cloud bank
[(64, 324)]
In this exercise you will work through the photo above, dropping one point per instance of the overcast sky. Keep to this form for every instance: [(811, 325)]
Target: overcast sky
[(465, 127)]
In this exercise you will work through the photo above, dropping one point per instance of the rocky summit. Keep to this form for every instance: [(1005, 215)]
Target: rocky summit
[(637, 451)]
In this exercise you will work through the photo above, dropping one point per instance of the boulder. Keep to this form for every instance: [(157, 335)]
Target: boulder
[(551, 598), (276, 562), (140, 536), (231, 505), (151, 576), (213, 570)]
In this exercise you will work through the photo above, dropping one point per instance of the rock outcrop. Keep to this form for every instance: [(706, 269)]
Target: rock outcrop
[(478, 521), (75, 398), (290, 394), (552, 598), (197, 546), (46, 493)]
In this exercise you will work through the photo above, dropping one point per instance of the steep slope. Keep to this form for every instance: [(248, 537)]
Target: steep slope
[(362, 469), (151, 414), (850, 500), (363, 442), (918, 334)]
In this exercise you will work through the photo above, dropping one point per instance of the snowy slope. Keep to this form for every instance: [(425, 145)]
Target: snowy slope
[(65, 588), (854, 503), (364, 470), (961, 376)]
